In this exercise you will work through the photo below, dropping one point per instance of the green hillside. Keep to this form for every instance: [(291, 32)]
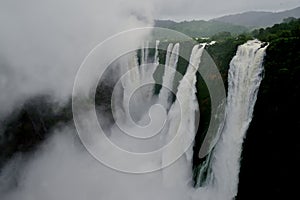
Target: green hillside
[(201, 28)]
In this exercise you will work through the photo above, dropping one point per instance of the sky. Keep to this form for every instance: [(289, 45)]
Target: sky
[(206, 9)]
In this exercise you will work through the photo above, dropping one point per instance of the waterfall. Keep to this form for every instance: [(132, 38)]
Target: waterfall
[(42, 179), (165, 93), (144, 61), (131, 80), (244, 78), (223, 162), (137, 75), (181, 118), (156, 58), (186, 102)]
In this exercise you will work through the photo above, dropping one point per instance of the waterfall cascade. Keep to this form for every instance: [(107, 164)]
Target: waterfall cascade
[(169, 73), (244, 77), (42, 179), (181, 117)]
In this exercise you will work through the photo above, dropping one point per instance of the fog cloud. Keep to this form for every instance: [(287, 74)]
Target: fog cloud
[(44, 42)]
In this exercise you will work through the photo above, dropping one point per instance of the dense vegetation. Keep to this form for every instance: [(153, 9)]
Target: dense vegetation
[(284, 31)]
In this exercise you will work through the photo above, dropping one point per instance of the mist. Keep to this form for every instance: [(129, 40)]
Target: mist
[(44, 42), (63, 169)]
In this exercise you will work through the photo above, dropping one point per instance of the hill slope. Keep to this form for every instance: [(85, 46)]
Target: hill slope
[(201, 28), (259, 19)]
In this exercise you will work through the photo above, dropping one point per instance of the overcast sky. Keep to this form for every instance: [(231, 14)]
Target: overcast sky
[(207, 9)]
